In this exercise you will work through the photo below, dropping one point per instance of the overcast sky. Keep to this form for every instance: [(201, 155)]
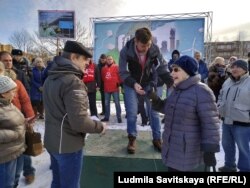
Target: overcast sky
[(19, 14)]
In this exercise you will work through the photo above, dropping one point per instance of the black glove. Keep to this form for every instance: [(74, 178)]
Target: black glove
[(153, 96), (164, 75), (209, 159), (153, 86)]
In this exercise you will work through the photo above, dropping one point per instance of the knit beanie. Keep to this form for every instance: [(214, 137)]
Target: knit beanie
[(6, 84), (188, 64), (241, 63)]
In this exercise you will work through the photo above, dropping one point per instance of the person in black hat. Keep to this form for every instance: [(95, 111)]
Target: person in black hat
[(234, 108), (66, 119), (22, 63), (191, 131), (175, 55)]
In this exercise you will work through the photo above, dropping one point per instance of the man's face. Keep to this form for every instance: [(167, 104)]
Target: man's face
[(17, 58), (7, 61), (143, 48), (175, 57), (197, 56), (103, 60), (80, 61)]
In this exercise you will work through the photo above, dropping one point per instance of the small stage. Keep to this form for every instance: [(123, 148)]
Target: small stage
[(108, 153)]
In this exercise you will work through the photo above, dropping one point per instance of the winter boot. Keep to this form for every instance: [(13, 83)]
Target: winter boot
[(131, 144), (157, 144)]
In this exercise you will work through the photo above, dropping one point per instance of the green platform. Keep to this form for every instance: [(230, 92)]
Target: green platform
[(107, 154)]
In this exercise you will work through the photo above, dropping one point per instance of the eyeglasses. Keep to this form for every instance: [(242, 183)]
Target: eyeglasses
[(175, 69)]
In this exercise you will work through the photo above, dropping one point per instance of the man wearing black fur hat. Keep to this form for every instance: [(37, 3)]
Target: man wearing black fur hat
[(66, 119), (21, 63)]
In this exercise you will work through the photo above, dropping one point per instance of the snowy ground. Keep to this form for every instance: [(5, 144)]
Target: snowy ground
[(42, 162)]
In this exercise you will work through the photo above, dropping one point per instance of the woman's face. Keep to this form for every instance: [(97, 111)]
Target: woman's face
[(178, 75), (9, 95)]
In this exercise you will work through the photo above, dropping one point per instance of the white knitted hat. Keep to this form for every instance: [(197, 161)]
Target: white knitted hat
[(6, 84)]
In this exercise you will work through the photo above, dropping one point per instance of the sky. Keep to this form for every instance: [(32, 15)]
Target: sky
[(16, 15)]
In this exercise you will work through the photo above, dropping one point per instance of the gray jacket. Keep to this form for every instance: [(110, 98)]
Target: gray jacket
[(191, 125), (66, 107), (234, 100)]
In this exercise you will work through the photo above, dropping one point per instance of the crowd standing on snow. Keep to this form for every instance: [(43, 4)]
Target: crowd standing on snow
[(64, 93)]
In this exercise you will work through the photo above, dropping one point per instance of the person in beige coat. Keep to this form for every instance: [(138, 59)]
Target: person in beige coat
[(12, 132)]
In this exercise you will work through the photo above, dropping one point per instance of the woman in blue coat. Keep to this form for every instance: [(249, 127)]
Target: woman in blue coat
[(38, 76), (191, 132)]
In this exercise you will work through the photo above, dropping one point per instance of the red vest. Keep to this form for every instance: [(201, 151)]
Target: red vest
[(89, 75)]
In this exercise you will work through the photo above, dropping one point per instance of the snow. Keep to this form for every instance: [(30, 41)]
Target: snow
[(43, 175)]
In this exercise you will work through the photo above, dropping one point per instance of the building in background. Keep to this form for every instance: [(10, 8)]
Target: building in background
[(239, 49), (6, 47)]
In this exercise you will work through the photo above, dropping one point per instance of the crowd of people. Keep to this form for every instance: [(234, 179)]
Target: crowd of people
[(64, 94)]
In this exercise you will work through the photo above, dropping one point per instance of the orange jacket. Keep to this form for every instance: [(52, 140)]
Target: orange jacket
[(22, 100)]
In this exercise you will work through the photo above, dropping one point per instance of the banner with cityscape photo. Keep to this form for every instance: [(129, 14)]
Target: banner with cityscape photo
[(185, 35), (56, 23)]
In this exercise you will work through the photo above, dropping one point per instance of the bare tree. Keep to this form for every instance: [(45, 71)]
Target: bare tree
[(21, 40), (81, 34), (39, 46)]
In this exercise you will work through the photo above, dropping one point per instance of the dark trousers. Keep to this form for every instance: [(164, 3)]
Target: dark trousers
[(103, 100), (92, 103), (38, 107)]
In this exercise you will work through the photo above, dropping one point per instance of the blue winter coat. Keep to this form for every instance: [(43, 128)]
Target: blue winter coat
[(36, 82)]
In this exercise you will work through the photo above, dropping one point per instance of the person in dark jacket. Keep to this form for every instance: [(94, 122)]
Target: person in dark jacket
[(67, 121), (191, 132), (175, 55), (101, 63), (217, 75), (139, 59), (21, 63)]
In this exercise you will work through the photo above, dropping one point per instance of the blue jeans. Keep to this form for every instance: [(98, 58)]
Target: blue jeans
[(66, 169), (131, 105), (24, 163), (117, 104), (240, 135), (7, 174)]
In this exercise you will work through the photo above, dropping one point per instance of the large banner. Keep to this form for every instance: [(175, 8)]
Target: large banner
[(56, 23), (185, 35)]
